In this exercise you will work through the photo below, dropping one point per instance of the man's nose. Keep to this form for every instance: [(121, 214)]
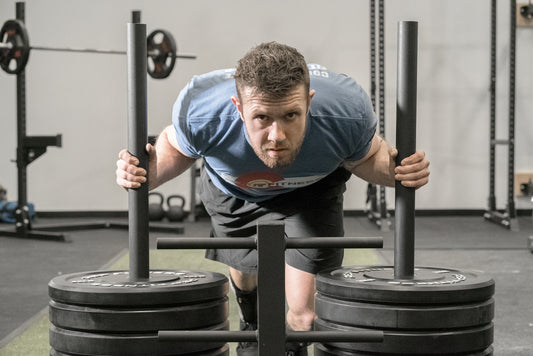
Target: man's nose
[(276, 132)]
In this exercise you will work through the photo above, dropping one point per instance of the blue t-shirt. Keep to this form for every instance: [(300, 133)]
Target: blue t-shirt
[(340, 127)]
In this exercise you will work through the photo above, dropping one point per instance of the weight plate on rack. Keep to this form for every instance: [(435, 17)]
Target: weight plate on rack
[(430, 285), (162, 51), (13, 60), (113, 288)]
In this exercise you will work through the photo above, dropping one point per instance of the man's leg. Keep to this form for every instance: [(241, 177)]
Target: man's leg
[(300, 293), (243, 281), (245, 287)]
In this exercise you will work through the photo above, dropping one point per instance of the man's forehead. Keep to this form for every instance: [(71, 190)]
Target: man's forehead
[(254, 94)]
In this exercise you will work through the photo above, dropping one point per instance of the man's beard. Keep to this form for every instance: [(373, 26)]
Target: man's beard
[(278, 162)]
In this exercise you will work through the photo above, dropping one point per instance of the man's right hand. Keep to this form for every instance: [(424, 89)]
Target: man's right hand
[(129, 175)]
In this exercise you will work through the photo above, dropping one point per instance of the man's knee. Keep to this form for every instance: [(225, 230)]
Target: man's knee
[(243, 281), (245, 288), (300, 320)]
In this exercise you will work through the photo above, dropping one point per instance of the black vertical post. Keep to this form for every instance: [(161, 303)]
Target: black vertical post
[(137, 139), (404, 234), (371, 190), (136, 16), (381, 64), (271, 288), (22, 216), (373, 53), (512, 88), (492, 146)]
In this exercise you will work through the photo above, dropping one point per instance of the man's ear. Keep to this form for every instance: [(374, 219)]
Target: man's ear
[(311, 94), (237, 103)]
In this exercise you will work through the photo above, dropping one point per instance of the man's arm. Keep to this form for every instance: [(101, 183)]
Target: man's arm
[(166, 162), (379, 167)]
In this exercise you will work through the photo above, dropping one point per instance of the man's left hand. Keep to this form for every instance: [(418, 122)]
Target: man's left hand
[(413, 172)]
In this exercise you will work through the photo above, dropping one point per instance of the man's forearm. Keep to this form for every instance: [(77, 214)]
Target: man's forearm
[(378, 168)]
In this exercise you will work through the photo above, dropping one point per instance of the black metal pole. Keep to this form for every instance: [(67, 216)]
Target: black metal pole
[(137, 139), (371, 190), (381, 64), (23, 221), (404, 234), (373, 53), (271, 288), (136, 16), (511, 210), (252, 336), (492, 143), (168, 243)]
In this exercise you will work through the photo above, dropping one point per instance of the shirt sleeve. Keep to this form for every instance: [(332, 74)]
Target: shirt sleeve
[(181, 124), (364, 129)]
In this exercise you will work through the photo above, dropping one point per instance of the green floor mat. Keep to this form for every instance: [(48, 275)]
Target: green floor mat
[(33, 341)]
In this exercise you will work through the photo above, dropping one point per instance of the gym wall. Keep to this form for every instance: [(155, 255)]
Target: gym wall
[(83, 96)]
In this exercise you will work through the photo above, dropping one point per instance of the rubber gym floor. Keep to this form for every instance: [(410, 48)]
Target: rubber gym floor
[(462, 242)]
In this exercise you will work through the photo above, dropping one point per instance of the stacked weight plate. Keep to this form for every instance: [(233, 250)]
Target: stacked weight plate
[(421, 310), (103, 313), (119, 313), (439, 312)]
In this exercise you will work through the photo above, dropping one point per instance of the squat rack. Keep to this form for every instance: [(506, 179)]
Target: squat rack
[(29, 148), (508, 217), (377, 211)]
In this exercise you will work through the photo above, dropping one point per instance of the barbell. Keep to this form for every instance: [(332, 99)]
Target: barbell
[(15, 50)]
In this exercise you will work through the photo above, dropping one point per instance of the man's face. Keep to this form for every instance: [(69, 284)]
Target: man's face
[(275, 127)]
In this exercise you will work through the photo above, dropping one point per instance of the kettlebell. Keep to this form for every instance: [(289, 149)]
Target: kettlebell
[(3, 193), (155, 208), (175, 212)]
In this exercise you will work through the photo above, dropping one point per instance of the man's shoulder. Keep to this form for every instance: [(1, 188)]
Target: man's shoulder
[(338, 96), (208, 95)]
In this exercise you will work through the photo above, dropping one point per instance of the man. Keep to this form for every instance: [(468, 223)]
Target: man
[(279, 140)]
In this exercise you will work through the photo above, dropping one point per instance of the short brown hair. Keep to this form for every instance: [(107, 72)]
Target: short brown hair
[(272, 69)]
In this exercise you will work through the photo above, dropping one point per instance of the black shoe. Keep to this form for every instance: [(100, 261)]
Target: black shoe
[(247, 348), (296, 349)]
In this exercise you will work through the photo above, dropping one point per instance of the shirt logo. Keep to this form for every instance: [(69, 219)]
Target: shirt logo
[(269, 180)]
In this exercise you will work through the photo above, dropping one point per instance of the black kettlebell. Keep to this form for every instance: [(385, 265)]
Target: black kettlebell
[(175, 212), (155, 208)]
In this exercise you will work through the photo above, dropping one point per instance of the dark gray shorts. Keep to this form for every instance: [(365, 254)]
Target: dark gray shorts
[(312, 211)]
